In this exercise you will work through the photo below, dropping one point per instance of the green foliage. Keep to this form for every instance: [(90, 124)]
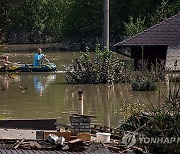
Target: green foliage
[(79, 19), (134, 27), (164, 10), (105, 68), (83, 19), (31, 15), (161, 121), (143, 84), (147, 79)]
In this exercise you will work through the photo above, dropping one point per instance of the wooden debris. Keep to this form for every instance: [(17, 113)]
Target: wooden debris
[(64, 126), (115, 133), (84, 136), (67, 135), (35, 145), (134, 150), (113, 148), (76, 145), (30, 145), (84, 115), (97, 148), (65, 148), (19, 144), (32, 124)]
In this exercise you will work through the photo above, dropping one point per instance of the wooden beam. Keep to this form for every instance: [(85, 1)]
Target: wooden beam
[(34, 124)]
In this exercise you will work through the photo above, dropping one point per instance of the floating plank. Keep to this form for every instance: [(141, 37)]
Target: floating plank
[(83, 115), (34, 124)]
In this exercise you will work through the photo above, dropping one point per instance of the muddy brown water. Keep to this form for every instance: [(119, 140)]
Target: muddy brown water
[(48, 96)]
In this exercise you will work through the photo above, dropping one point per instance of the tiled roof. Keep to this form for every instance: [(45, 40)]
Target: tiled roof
[(166, 32), (38, 152)]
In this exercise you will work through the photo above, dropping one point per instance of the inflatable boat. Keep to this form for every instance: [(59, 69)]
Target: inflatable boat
[(50, 67)]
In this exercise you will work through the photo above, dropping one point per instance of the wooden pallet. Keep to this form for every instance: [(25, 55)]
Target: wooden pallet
[(115, 133)]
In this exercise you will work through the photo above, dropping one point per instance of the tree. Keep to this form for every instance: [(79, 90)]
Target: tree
[(164, 10), (134, 27), (122, 10), (80, 19), (83, 20)]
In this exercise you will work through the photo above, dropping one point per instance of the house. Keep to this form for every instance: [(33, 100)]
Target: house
[(161, 41)]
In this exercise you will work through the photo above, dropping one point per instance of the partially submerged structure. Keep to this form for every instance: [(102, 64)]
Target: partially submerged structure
[(159, 42)]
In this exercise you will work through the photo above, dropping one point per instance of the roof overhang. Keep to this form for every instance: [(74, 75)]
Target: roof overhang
[(166, 33), (138, 45)]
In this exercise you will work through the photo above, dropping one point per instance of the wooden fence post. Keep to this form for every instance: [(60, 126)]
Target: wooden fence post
[(81, 103)]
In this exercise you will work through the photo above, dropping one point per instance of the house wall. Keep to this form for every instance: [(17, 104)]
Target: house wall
[(173, 54)]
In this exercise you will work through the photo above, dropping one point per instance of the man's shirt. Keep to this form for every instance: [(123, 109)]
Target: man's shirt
[(37, 59)]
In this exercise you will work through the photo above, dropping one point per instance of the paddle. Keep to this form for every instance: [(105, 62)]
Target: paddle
[(50, 64), (47, 60)]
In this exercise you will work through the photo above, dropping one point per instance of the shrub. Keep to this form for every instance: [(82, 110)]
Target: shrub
[(158, 122), (106, 67), (145, 79)]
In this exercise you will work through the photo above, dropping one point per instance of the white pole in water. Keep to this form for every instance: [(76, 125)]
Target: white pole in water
[(81, 104), (106, 25)]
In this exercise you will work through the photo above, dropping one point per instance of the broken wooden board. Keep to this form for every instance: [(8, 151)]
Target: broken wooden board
[(84, 136)]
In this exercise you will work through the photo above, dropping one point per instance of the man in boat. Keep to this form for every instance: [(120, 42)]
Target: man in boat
[(38, 58), (6, 62)]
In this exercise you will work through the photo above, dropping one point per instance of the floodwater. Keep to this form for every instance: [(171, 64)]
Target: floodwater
[(49, 96)]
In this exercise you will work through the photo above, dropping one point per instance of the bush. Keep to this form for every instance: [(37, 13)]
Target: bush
[(158, 122), (145, 79), (143, 84), (106, 67)]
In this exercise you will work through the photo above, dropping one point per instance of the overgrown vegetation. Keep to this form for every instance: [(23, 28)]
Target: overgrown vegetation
[(134, 27), (163, 121), (79, 19), (105, 67), (146, 79)]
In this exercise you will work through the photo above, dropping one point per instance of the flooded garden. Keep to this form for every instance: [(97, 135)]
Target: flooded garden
[(136, 103), (48, 95)]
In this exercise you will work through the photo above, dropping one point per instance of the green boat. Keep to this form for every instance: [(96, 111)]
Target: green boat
[(50, 67)]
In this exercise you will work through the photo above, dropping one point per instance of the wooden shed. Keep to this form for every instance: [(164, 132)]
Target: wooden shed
[(159, 42)]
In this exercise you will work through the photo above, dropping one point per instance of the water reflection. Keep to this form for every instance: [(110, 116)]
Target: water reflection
[(106, 101), (42, 81), (47, 97), (7, 79)]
